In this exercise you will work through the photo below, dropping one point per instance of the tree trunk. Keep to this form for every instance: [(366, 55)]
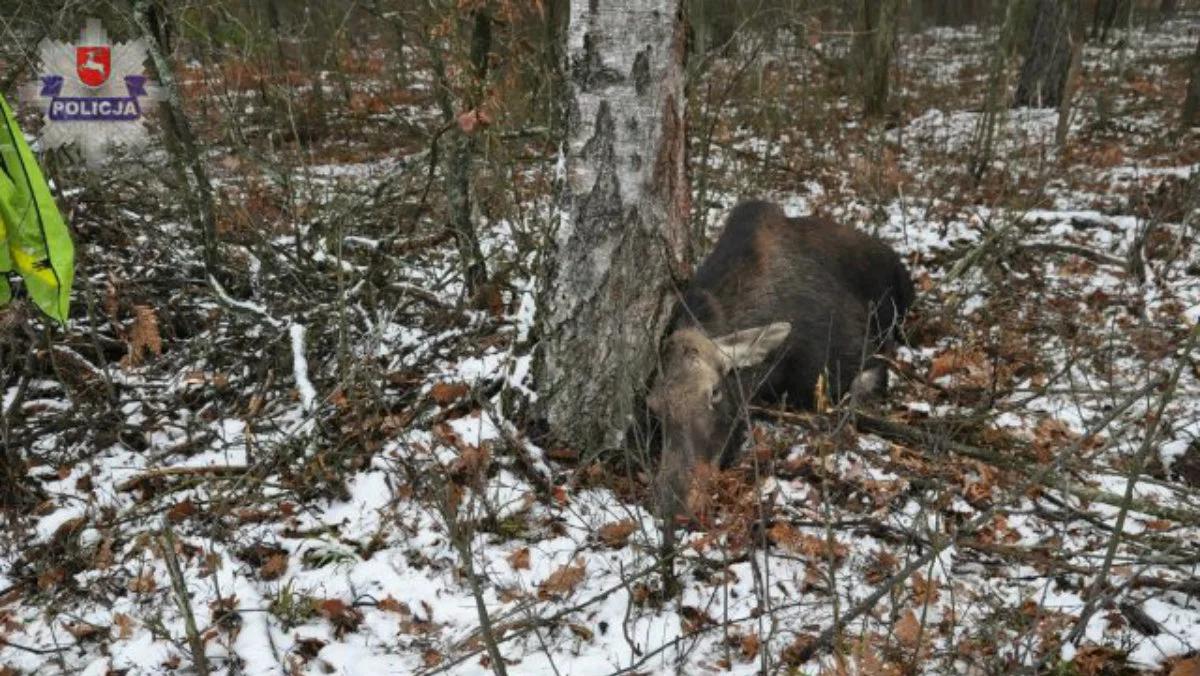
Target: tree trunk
[(1076, 39), (152, 20), (1168, 9), (457, 166), (1191, 104), (1106, 14), (621, 248), (1043, 76), (983, 140), (876, 46)]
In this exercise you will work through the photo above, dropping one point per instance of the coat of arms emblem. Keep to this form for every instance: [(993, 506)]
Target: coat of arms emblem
[(93, 64)]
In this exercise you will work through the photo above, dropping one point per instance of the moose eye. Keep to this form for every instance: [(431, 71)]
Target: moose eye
[(715, 396)]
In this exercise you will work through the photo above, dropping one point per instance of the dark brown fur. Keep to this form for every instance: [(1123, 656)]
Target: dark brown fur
[(844, 294)]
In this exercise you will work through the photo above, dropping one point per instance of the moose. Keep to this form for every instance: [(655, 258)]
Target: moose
[(782, 310)]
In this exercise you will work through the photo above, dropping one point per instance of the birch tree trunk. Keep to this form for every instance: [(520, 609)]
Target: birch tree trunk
[(622, 246)]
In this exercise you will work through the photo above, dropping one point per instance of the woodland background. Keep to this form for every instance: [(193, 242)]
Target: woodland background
[(291, 426)]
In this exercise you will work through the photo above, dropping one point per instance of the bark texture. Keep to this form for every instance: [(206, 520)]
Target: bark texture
[(1191, 104), (621, 248), (1043, 76), (876, 45)]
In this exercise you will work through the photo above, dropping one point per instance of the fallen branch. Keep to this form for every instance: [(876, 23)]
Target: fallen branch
[(938, 545), (912, 435), (1097, 592), (216, 471), (1082, 252)]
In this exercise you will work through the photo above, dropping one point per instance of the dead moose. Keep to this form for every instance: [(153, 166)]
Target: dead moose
[(779, 305)]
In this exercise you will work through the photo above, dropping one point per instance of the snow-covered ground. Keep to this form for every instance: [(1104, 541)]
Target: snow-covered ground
[(344, 504)]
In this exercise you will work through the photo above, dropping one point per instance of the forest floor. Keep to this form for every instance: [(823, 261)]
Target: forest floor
[(322, 468)]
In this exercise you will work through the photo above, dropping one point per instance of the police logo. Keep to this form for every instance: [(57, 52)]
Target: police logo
[(92, 93)]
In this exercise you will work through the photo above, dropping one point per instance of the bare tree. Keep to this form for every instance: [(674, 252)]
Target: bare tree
[(876, 44), (1075, 37), (1043, 77), (983, 140), (153, 21), (463, 145), (1105, 15), (622, 241), (1191, 104), (1168, 9)]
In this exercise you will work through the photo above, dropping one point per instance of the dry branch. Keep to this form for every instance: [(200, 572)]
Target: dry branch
[(912, 435), (213, 471)]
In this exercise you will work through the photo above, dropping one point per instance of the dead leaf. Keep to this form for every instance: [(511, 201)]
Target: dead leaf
[(124, 625), (581, 631), (448, 393), (471, 120), (1186, 667), (924, 591), (749, 646), (1095, 659), (143, 584), (562, 582), (391, 605), (274, 567), (81, 630), (181, 510), (967, 366), (908, 629), (616, 534), (809, 546), (143, 338), (562, 454), (821, 395), (519, 559), (882, 565), (342, 616)]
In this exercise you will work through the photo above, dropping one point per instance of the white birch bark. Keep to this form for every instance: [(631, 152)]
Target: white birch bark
[(622, 244)]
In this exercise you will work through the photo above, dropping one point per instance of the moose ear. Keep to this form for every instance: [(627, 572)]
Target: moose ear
[(749, 347)]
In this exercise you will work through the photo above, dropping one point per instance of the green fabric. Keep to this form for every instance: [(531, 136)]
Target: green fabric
[(34, 241)]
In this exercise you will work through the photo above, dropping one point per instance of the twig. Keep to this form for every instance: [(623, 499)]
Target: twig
[(548, 621), (900, 432), (36, 651), (937, 546), (1135, 470), (463, 545), (166, 543)]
